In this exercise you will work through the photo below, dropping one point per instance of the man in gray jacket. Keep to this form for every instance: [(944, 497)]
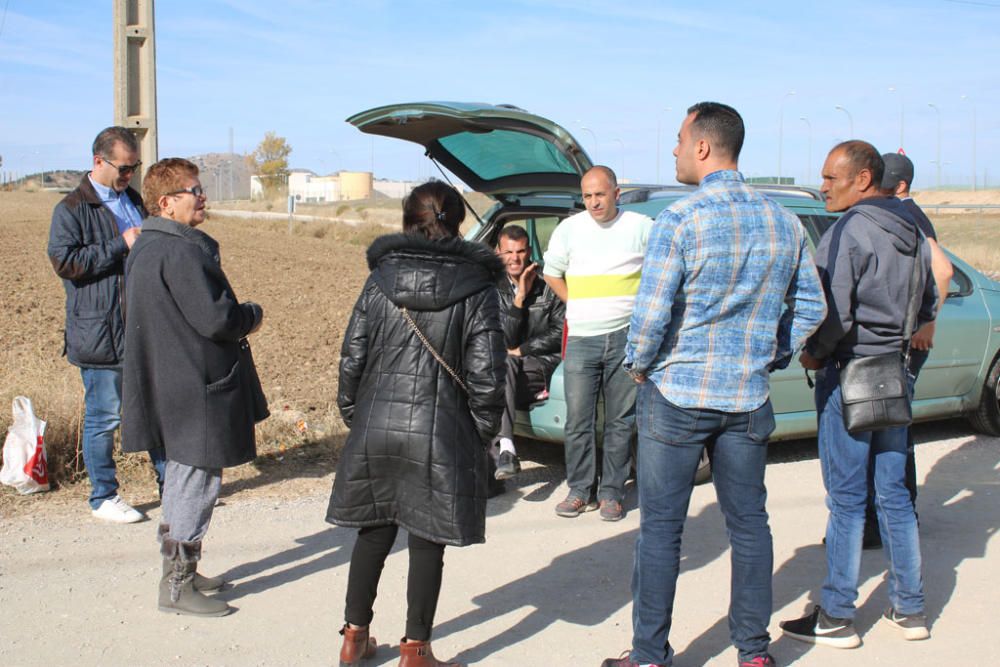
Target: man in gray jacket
[(93, 228), (865, 262)]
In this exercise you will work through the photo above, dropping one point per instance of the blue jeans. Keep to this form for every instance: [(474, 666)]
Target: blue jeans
[(671, 439), (102, 401), (845, 459), (593, 366)]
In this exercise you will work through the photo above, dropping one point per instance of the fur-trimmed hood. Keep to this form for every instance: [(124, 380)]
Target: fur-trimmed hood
[(421, 274)]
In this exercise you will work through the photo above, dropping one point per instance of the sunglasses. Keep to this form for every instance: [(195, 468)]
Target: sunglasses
[(125, 168), (195, 190)]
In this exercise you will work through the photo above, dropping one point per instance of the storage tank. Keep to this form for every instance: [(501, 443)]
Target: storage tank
[(356, 184)]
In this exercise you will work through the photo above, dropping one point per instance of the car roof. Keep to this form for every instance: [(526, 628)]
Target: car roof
[(651, 200)]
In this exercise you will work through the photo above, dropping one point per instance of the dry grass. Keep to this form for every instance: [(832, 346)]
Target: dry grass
[(975, 237), (307, 283)]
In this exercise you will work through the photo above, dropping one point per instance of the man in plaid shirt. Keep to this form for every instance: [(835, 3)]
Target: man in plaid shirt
[(729, 292)]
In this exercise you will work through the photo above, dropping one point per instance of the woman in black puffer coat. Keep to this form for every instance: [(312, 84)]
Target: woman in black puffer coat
[(416, 454)]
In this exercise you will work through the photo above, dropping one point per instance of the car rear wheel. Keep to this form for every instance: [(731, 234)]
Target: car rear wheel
[(701, 475), (986, 417)]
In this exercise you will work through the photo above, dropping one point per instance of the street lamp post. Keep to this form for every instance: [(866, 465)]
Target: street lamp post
[(584, 128), (781, 122), (659, 120), (850, 119), (809, 147), (938, 160), (892, 89), (974, 174)]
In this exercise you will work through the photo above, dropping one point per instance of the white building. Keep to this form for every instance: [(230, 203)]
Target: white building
[(309, 188), (394, 189)]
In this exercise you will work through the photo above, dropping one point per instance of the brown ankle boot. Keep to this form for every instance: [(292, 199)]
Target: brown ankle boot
[(418, 654), (357, 646)]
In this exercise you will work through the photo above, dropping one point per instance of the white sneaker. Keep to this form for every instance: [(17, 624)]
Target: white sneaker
[(117, 510)]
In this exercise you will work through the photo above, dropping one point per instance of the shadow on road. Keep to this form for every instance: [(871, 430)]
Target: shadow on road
[(957, 504), (315, 553), (583, 587)]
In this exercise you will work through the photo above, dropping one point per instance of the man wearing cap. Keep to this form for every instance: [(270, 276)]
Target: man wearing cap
[(93, 228), (896, 182)]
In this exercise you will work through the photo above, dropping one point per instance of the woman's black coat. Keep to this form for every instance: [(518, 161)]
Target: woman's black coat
[(416, 453), (188, 386)]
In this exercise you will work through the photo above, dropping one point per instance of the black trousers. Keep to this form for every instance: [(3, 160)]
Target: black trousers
[(423, 583), (917, 359), (525, 378)]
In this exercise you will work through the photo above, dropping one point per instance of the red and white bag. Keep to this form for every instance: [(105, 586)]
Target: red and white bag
[(25, 466)]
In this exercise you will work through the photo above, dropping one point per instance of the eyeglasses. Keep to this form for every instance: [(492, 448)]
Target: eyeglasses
[(125, 168), (195, 190)]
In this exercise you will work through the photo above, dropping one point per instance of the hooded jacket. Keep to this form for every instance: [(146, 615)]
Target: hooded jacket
[(865, 262), (416, 453)]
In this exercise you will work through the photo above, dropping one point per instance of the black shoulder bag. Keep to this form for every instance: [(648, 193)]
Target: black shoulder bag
[(875, 390)]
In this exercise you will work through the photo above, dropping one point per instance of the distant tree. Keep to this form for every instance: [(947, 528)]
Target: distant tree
[(271, 163)]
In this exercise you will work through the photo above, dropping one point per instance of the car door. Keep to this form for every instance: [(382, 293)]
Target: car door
[(960, 336), (791, 395)]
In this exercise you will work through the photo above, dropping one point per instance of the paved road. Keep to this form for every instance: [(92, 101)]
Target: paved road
[(541, 591)]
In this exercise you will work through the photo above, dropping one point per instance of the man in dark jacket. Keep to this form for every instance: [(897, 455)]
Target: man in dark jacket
[(896, 183), (865, 262), (532, 317), (93, 228)]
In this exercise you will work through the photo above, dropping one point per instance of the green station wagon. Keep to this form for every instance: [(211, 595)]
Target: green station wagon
[(532, 167)]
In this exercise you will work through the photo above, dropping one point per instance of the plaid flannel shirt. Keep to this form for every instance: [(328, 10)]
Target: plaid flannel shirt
[(729, 292)]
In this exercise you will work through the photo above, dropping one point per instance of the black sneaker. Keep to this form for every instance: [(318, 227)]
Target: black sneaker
[(913, 626), (819, 628), (507, 466)]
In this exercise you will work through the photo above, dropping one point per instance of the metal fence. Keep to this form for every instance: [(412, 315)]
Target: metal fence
[(973, 207)]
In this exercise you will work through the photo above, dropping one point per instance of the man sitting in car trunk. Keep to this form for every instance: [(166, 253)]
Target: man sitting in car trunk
[(532, 317)]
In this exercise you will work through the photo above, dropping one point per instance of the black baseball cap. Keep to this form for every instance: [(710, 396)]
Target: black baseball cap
[(898, 168)]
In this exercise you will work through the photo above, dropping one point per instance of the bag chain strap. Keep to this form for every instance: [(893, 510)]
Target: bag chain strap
[(430, 348)]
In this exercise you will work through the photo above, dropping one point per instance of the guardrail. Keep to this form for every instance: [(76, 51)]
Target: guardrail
[(976, 207)]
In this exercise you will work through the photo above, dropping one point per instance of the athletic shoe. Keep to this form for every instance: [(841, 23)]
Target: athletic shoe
[(759, 661), (819, 628), (914, 626), (611, 510), (117, 510), (508, 465), (574, 506)]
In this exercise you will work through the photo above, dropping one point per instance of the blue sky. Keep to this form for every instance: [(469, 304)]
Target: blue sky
[(300, 67)]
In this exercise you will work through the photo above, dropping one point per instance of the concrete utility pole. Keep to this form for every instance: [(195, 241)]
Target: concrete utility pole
[(135, 77)]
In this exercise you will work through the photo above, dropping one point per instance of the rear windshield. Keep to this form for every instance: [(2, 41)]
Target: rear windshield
[(500, 153)]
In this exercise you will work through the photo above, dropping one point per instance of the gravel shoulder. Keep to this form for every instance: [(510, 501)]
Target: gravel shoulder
[(542, 590)]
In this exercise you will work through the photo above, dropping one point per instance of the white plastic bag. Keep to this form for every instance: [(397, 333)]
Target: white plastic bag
[(25, 466)]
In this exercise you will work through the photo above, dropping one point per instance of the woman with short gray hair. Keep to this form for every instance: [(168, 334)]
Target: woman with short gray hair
[(190, 385)]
